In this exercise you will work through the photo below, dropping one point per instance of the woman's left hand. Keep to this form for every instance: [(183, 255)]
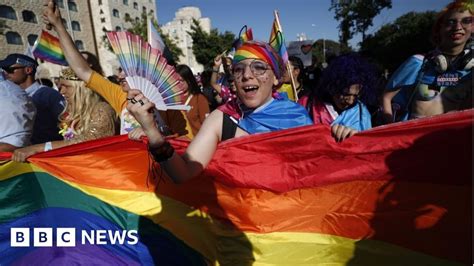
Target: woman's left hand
[(21, 154), (340, 132)]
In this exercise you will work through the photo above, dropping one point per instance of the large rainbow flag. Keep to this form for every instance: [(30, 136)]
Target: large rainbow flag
[(394, 195)]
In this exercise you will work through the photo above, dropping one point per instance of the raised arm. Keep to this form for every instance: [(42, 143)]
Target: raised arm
[(215, 73), (198, 154), (52, 16)]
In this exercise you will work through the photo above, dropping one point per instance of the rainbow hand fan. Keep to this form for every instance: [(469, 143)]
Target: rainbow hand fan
[(148, 71)]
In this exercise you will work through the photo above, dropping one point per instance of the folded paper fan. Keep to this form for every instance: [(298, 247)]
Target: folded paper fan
[(148, 71)]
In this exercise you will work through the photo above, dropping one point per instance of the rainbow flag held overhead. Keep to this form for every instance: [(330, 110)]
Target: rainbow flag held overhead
[(277, 40), (393, 195), (47, 47)]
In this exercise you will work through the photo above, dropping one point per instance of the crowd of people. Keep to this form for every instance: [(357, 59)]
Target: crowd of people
[(248, 91)]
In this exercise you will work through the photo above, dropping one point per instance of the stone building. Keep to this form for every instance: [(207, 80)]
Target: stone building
[(177, 30), (85, 21), (111, 15), (24, 24)]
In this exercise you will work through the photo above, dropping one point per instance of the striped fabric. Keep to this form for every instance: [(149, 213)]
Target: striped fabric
[(395, 195)]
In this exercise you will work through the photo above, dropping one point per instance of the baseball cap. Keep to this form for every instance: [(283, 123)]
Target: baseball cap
[(20, 59)]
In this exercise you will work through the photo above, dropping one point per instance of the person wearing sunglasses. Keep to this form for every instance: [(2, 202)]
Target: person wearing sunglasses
[(440, 81), (339, 100), (21, 70), (257, 70)]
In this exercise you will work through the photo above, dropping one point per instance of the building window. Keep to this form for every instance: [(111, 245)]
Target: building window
[(7, 12), (79, 44), (32, 38), (29, 16), (144, 9), (64, 23), (127, 17), (102, 20), (72, 6), (151, 11), (118, 28), (101, 12), (60, 3), (116, 13), (135, 5), (100, 2), (13, 38), (137, 20), (125, 2), (76, 26)]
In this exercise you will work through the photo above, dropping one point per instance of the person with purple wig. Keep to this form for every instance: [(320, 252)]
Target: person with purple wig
[(340, 98)]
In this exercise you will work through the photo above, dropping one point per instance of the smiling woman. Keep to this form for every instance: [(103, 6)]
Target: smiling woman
[(257, 70), (440, 81)]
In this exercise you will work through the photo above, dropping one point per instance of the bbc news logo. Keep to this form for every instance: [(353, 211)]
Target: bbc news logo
[(66, 237)]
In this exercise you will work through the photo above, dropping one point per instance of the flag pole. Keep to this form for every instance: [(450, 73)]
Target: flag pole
[(292, 78)]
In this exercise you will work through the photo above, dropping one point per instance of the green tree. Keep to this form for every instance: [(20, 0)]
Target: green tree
[(356, 16), (394, 42), (207, 45)]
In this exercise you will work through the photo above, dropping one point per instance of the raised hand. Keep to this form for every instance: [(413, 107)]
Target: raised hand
[(51, 14)]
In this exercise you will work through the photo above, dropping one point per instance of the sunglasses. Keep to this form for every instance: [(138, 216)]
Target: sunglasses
[(10, 70)]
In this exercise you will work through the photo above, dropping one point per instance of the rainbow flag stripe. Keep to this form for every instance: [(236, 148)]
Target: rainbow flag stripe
[(47, 47), (399, 194), (277, 41)]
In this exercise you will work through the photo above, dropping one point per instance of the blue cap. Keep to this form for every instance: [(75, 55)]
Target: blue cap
[(20, 59)]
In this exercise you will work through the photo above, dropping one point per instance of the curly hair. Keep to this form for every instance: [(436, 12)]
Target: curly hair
[(344, 71), (460, 5)]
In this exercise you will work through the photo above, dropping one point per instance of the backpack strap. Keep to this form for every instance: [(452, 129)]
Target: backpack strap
[(229, 128)]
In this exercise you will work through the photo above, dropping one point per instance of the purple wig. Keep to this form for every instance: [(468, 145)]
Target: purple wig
[(344, 71)]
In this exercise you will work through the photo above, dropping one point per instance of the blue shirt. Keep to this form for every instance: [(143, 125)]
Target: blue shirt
[(17, 115), (49, 104)]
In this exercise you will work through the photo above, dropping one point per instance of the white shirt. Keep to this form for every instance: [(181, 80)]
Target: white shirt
[(17, 115)]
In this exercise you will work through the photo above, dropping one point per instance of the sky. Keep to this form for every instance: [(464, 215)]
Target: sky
[(310, 17)]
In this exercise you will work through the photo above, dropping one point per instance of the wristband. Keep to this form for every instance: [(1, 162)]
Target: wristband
[(48, 146), (162, 153)]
